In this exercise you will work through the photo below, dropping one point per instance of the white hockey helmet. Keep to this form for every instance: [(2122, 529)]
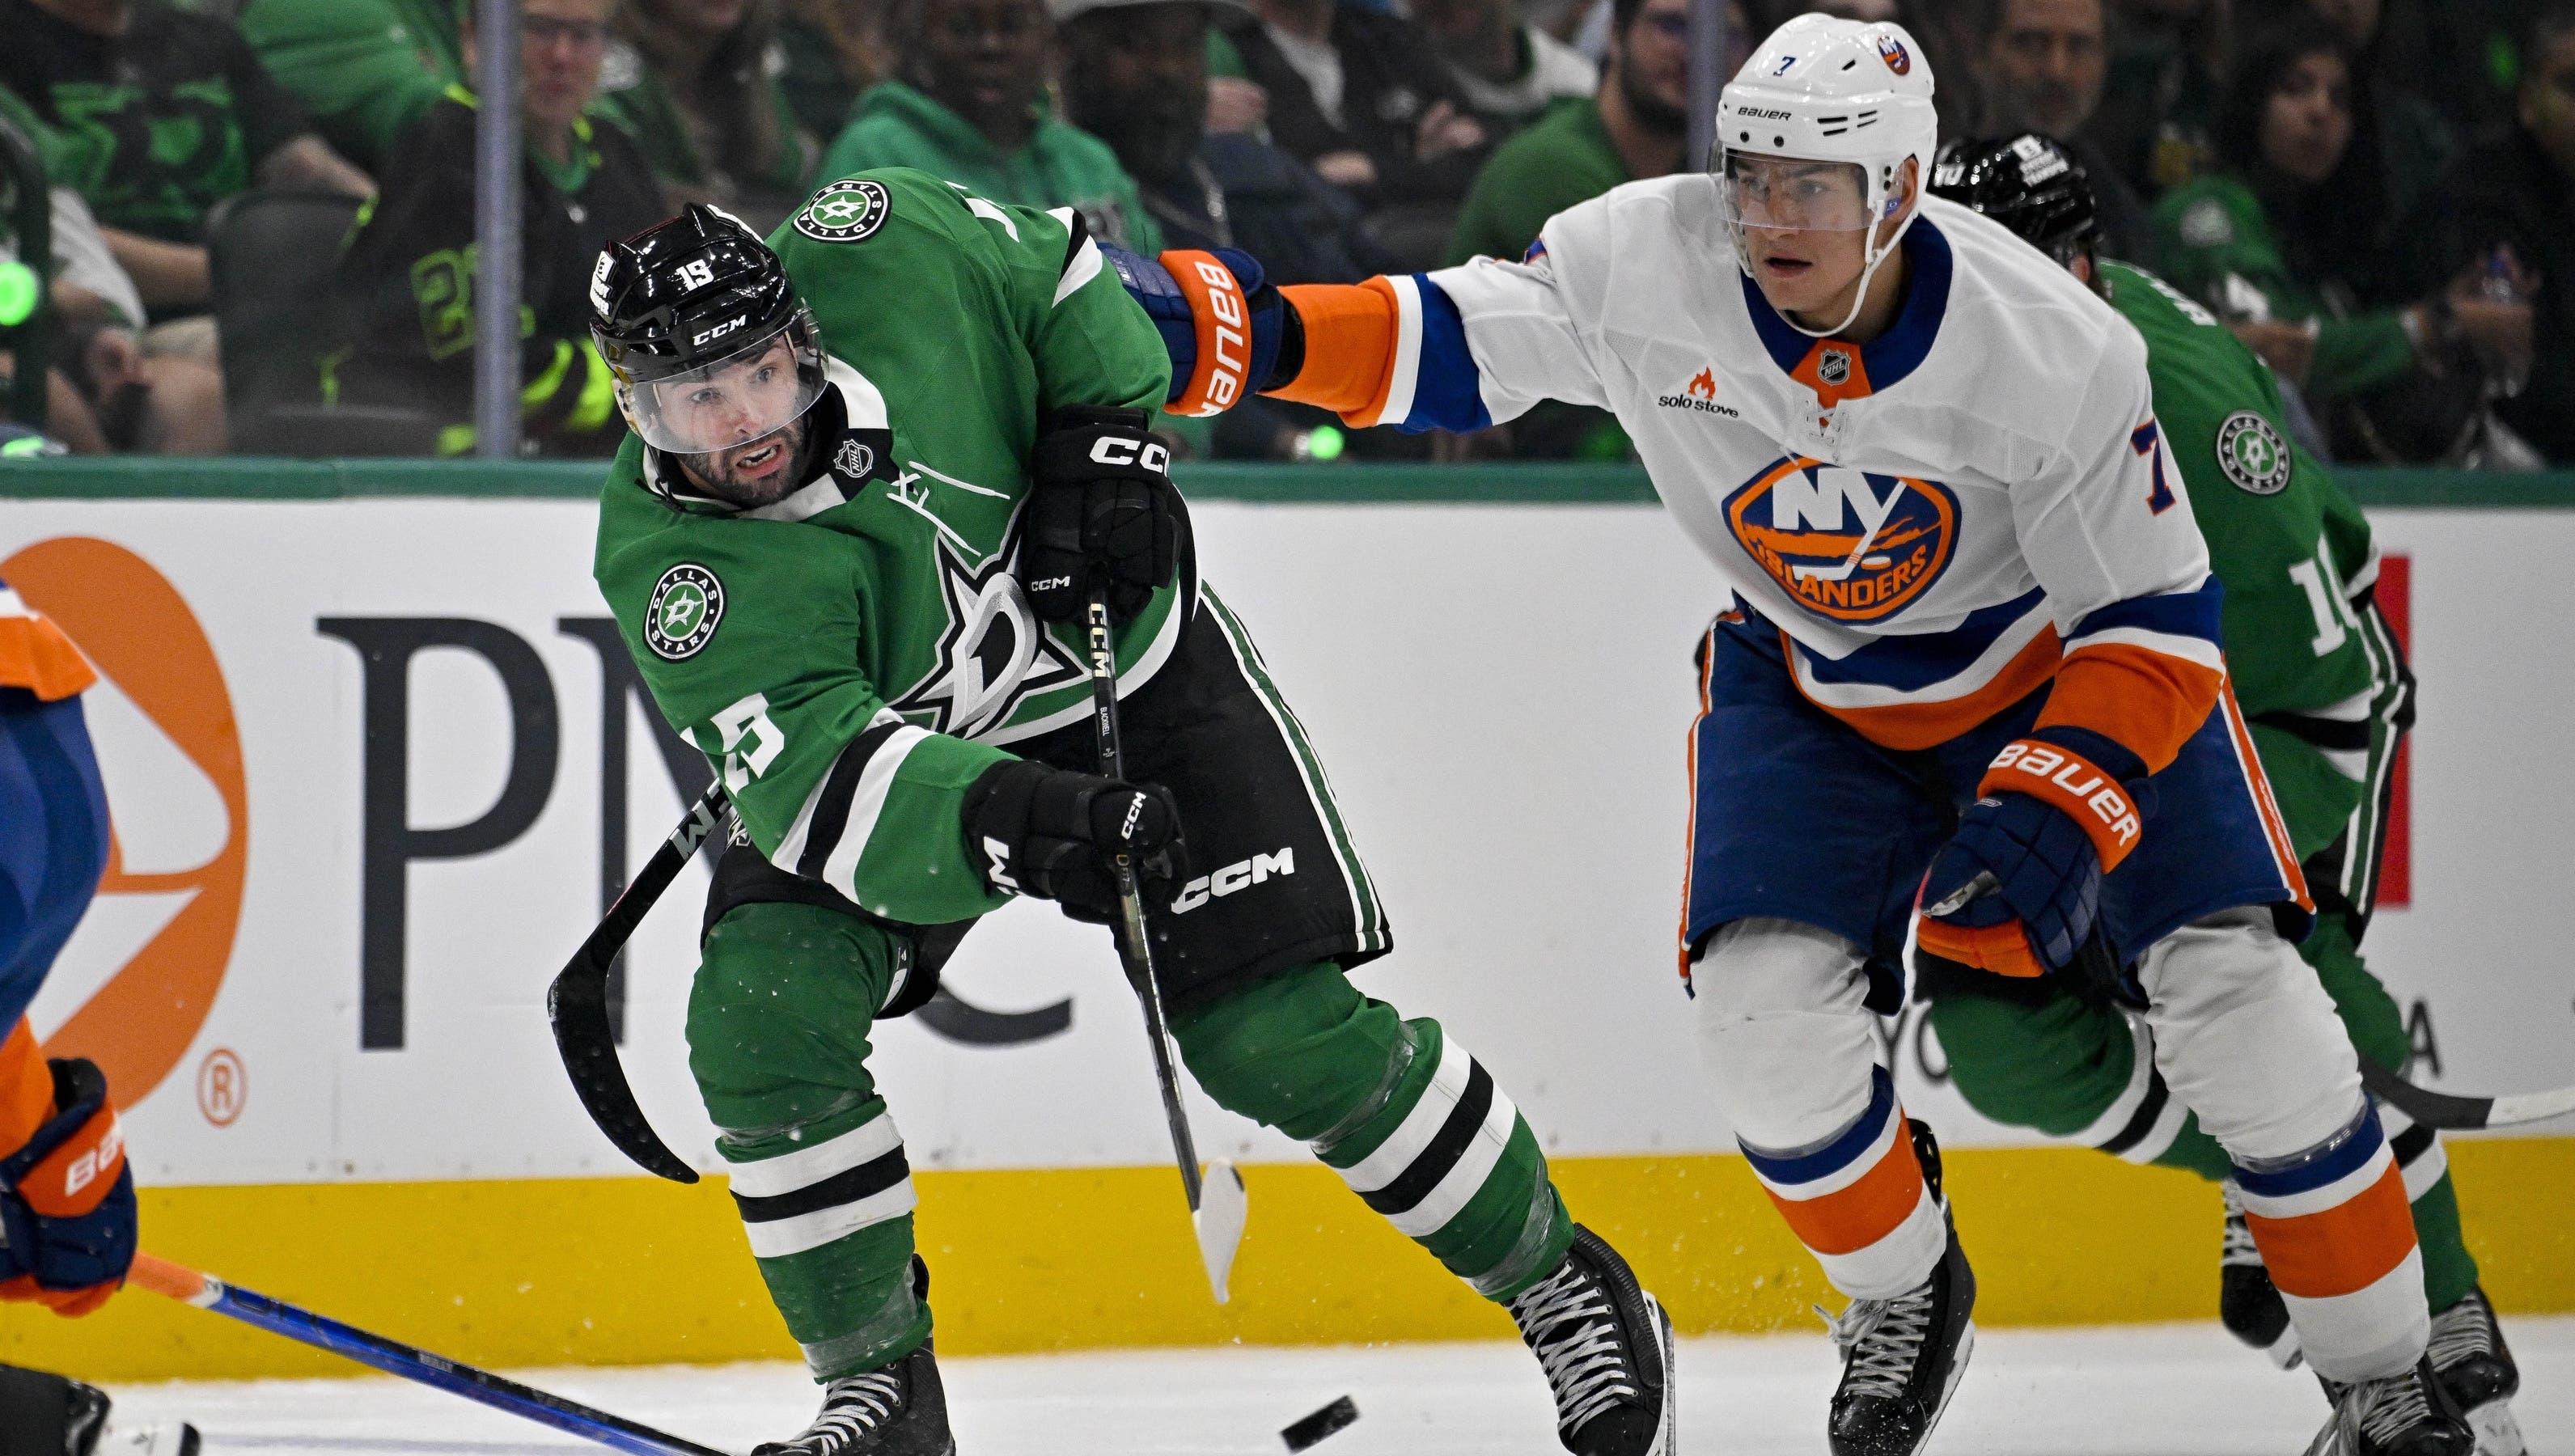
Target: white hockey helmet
[(1825, 88)]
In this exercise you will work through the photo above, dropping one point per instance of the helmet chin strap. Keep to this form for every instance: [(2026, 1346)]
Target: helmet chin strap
[(1878, 253)]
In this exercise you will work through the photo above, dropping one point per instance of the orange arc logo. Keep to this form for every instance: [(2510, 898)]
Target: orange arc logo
[(1845, 544), (139, 633)]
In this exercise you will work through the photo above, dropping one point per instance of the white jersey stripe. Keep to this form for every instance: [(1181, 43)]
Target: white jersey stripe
[(866, 806)]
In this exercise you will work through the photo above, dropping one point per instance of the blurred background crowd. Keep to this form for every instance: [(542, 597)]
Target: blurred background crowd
[(261, 211)]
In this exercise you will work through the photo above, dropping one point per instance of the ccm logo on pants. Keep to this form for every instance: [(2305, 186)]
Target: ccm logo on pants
[(1243, 876)]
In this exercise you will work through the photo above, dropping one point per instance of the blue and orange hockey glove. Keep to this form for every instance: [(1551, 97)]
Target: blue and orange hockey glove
[(1222, 322), (2017, 889), (67, 1204)]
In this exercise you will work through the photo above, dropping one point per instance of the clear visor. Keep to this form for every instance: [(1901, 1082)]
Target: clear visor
[(1789, 194), (757, 390)]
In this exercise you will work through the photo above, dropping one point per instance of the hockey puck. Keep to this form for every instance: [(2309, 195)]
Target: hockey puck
[(1314, 1428)]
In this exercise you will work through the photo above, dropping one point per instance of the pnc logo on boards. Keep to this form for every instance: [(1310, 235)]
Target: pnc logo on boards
[(1846, 544), (152, 950)]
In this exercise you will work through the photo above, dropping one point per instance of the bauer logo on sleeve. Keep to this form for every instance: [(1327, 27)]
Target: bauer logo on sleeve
[(845, 211), (681, 619), (2253, 453)]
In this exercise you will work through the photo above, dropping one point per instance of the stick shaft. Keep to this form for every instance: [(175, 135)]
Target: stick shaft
[(1134, 947), (410, 1362)]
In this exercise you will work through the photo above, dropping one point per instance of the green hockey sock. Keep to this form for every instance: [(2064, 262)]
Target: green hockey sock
[(1408, 1118), (777, 1040)]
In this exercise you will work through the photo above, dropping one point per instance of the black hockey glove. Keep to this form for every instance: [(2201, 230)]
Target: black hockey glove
[(1102, 513), (1053, 833)]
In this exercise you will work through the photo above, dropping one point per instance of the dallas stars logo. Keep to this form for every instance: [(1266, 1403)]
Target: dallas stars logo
[(994, 656), (686, 605), (2253, 454), (845, 211)]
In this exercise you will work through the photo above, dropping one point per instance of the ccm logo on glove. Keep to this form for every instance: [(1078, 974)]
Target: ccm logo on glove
[(1143, 455), (2073, 785)]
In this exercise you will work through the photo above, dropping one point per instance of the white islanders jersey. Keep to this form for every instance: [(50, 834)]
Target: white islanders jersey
[(1934, 519)]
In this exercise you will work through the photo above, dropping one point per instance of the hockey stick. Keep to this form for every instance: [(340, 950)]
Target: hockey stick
[(411, 1363), (2447, 1112), (1218, 1203), (577, 1003)]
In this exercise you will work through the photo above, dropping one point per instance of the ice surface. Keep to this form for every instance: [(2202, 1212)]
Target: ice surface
[(2134, 1391)]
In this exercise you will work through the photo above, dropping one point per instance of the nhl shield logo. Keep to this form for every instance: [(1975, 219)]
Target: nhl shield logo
[(1892, 51), (1833, 366), (855, 460), (1845, 544)]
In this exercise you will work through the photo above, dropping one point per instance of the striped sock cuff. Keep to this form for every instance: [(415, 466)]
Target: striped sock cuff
[(2333, 1221), (1435, 1160), (2418, 1152), (1857, 1201), (816, 1196)]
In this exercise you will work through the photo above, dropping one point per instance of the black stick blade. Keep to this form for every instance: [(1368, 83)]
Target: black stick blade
[(1339, 1415), (578, 1006)]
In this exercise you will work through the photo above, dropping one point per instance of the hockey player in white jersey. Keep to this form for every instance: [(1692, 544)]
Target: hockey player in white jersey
[(1970, 686)]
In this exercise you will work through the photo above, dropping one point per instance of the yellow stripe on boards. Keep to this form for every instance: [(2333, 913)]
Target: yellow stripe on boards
[(636, 1270)]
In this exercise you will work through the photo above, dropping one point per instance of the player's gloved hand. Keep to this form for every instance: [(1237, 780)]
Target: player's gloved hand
[(67, 1199), (1053, 833), (1101, 514), (2017, 889), (1223, 324)]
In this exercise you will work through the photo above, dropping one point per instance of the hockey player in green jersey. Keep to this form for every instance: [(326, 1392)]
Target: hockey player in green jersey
[(879, 461), (2327, 696)]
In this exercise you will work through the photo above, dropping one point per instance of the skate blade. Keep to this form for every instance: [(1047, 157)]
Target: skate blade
[(1667, 1438), (2498, 1434), (1958, 1372)]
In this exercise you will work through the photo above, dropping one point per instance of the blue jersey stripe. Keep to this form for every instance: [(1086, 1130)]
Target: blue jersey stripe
[(1448, 392), (1911, 664), (2176, 614)]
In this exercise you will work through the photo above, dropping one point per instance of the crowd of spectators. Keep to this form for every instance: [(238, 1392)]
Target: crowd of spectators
[(261, 210)]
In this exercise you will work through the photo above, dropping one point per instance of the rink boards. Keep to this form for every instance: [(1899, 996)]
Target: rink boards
[(362, 758)]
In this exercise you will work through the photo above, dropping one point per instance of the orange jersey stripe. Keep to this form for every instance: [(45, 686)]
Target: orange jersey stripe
[(2284, 850), (1868, 1210), (2146, 702), (1907, 727), (1349, 347), (35, 655), (1689, 835), (2343, 1249)]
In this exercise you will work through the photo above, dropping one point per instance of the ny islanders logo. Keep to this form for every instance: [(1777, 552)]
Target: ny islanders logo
[(1892, 51), (1845, 544)]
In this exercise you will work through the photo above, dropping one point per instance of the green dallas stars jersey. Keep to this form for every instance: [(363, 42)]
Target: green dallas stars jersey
[(2310, 668), (852, 655)]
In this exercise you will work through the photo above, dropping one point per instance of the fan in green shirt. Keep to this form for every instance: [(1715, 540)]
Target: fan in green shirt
[(968, 108), (366, 69)]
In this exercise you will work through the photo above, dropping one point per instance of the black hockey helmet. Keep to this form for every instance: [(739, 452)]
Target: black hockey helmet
[(701, 326), (2026, 183)]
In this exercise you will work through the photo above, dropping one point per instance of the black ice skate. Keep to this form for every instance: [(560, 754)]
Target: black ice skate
[(1902, 1357), (48, 1413), (2248, 1304), (900, 1410), (1606, 1348), (2402, 1415), (2478, 1373)]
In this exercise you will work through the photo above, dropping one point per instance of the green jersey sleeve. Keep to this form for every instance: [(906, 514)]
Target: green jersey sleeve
[(747, 633)]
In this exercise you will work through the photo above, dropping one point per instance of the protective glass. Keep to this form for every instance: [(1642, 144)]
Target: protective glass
[(763, 387), (1791, 194)]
